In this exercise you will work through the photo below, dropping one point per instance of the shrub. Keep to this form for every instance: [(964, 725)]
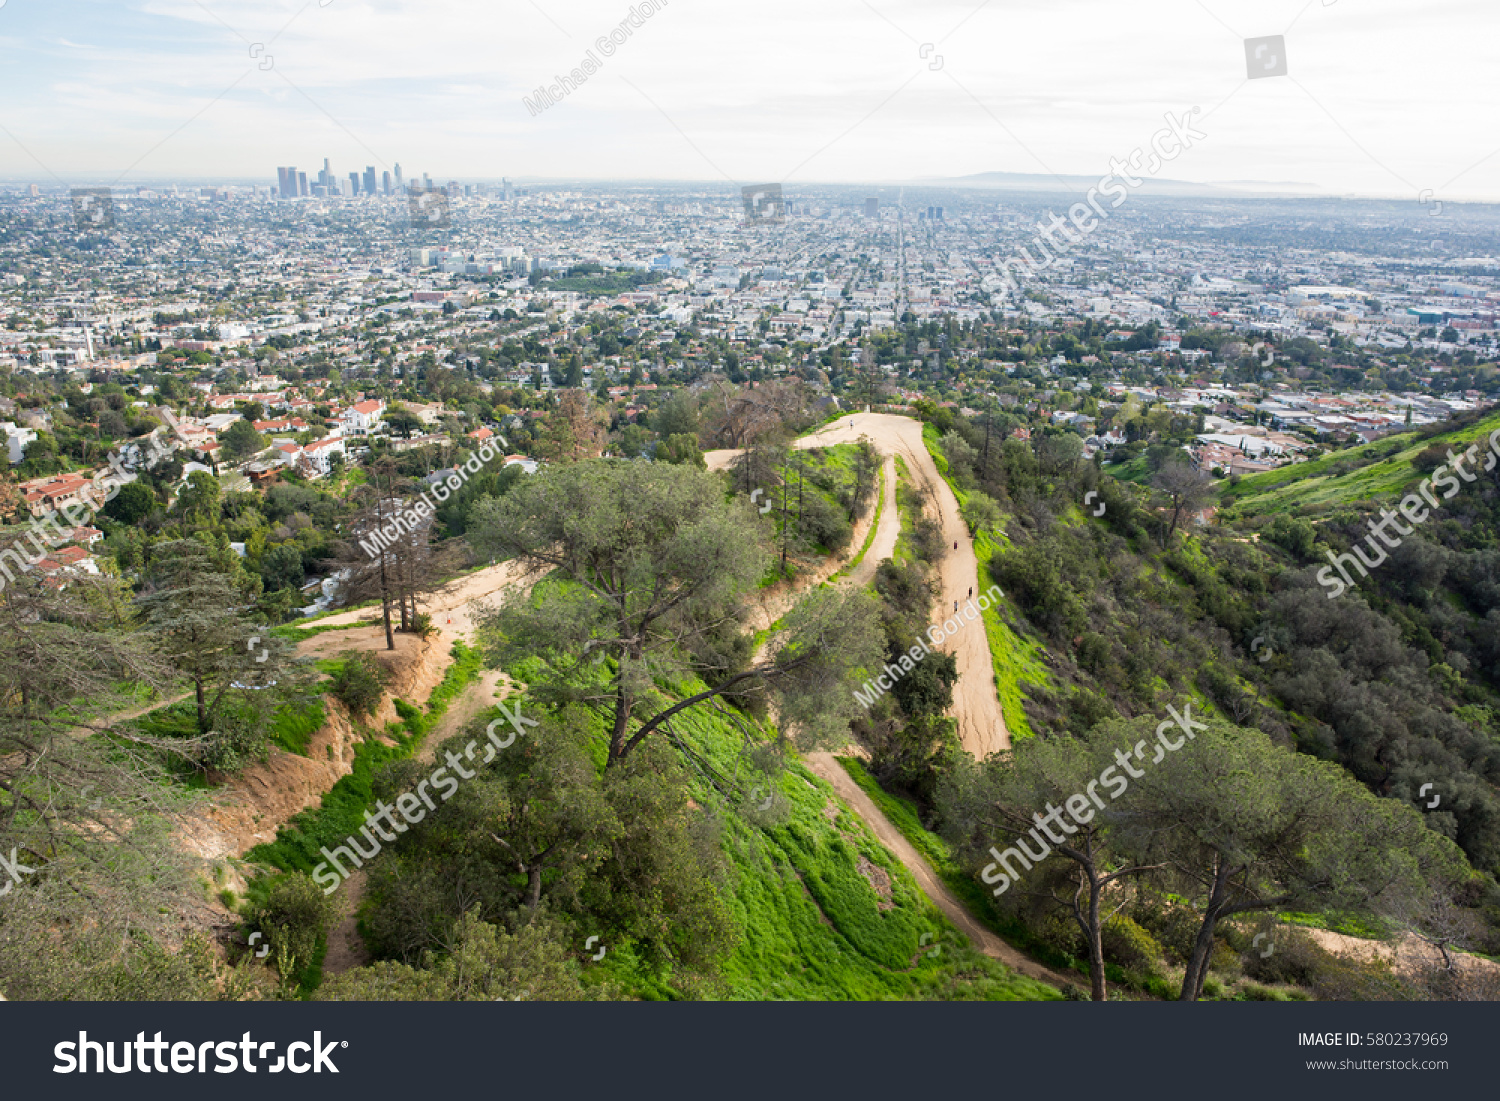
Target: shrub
[(1060, 932), (360, 682), (1130, 946), (294, 918), (1174, 925)]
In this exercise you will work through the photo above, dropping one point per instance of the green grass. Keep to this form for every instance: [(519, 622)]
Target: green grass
[(294, 634), (811, 924), (909, 508), (1016, 660), (1351, 476), (293, 730), (1132, 470), (341, 811), (939, 856)]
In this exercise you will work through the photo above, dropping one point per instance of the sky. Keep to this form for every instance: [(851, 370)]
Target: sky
[(1383, 98)]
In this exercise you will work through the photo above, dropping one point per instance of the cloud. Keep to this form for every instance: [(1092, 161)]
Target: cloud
[(1381, 97)]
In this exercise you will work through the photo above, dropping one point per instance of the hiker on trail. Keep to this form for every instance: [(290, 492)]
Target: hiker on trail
[(955, 605), (971, 592), (955, 544)]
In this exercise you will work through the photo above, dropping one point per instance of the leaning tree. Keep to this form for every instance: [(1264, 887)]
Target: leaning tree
[(651, 565)]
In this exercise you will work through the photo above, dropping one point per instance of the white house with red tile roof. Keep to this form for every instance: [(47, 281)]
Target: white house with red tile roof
[(361, 418), (313, 461)]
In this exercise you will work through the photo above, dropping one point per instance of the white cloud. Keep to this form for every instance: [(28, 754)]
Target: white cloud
[(1382, 97)]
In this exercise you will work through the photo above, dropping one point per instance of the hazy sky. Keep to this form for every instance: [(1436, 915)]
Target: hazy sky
[(1381, 97)]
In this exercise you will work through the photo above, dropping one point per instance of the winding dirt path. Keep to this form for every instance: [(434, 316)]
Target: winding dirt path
[(976, 707), (903, 436), (981, 725)]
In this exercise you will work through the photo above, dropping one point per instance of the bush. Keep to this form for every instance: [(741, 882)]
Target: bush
[(1174, 926), (1060, 932), (1130, 946), (294, 918), (360, 682)]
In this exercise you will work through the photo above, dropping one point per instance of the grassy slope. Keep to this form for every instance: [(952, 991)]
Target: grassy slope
[(811, 924), (1383, 472), (874, 525)]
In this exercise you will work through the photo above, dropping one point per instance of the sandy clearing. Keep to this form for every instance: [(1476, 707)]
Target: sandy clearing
[(1408, 954), (454, 607)]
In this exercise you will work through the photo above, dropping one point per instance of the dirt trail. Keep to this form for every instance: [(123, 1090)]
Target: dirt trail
[(904, 437), (829, 769), (981, 725)]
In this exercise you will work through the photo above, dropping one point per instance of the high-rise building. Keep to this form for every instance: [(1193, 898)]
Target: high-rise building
[(426, 182), (325, 177), (302, 188), (385, 182), (369, 179), (400, 183), (872, 208), (354, 183), (286, 182)]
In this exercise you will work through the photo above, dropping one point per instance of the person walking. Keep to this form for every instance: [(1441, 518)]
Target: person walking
[(971, 592)]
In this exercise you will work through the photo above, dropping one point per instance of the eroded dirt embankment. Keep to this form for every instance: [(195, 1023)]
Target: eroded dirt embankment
[(251, 806)]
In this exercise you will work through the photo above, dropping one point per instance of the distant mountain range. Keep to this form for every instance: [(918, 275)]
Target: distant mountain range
[(1038, 181)]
